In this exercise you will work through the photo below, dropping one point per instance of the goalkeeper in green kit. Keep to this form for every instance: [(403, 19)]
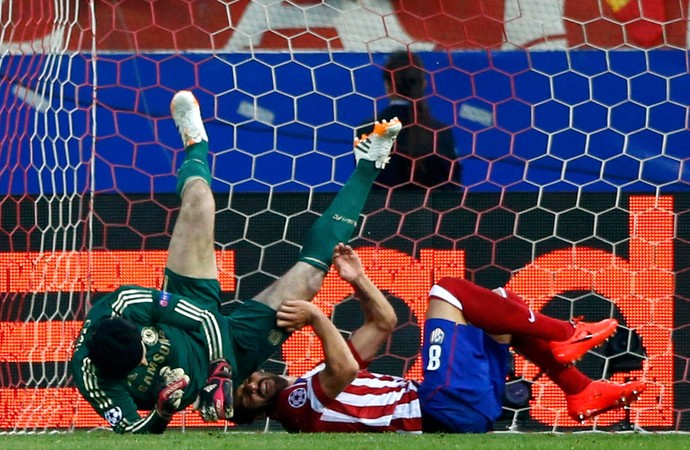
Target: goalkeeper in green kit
[(163, 350)]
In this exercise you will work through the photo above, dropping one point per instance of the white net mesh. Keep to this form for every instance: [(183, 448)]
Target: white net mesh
[(569, 121)]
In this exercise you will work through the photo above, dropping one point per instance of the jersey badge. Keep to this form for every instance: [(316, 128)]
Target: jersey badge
[(164, 299), (437, 336), (298, 397), (275, 336), (149, 336), (113, 415)]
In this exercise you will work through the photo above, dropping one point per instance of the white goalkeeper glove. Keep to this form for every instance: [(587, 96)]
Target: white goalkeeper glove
[(169, 399)]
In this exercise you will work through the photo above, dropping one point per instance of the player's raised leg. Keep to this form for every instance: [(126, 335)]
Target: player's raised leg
[(500, 312), (191, 252), (337, 224)]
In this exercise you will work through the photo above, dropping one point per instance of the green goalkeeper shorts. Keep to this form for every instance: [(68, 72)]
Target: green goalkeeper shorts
[(204, 292), (254, 335)]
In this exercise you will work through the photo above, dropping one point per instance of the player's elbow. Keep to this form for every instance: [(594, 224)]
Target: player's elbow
[(346, 370), (382, 317), (388, 322), (385, 320), (338, 375), (349, 372)]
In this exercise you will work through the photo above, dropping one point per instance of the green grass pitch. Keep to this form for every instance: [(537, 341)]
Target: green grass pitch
[(202, 440)]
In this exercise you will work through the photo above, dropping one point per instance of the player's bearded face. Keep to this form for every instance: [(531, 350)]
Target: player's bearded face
[(260, 389)]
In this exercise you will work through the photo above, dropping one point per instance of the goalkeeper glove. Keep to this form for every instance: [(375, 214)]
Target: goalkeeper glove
[(170, 397), (215, 399)]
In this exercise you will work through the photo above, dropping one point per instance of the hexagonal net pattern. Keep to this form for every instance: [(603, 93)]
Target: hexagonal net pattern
[(544, 150)]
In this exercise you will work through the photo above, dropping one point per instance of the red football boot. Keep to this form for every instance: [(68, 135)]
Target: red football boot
[(601, 396), (586, 336)]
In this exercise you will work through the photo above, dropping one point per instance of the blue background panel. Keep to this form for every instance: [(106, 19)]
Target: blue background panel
[(285, 122)]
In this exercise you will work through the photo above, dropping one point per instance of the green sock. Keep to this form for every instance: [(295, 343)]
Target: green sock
[(338, 222), (195, 165)]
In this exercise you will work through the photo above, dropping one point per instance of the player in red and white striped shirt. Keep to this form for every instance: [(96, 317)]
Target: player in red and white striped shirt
[(372, 403), (467, 333)]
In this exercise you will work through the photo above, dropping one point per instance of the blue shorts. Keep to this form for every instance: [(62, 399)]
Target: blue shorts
[(464, 378)]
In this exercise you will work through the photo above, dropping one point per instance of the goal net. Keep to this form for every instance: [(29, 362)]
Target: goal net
[(568, 119)]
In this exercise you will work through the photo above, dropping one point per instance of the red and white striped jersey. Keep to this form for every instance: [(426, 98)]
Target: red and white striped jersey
[(371, 403)]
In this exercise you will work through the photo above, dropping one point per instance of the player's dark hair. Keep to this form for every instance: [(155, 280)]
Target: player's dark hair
[(114, 347), (245, 416), (404, 73)]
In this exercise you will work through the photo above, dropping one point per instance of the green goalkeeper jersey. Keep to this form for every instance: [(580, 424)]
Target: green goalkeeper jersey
[(177, 332)]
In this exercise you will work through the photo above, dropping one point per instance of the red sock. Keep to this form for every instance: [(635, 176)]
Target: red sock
[(568, 378), (495, 314)]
